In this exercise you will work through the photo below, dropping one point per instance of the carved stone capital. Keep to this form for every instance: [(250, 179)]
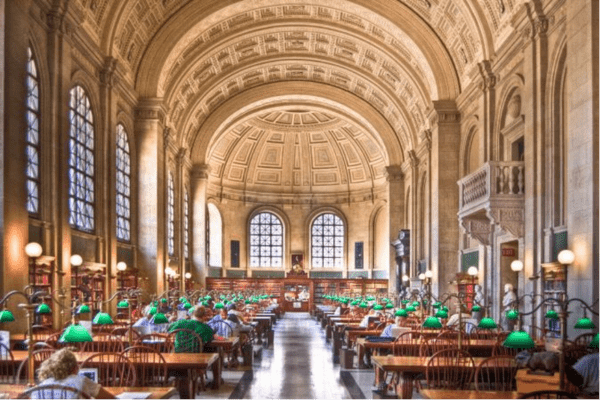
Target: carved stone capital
[(181, 154), (168, 137), (393, 173), (151, 109), (200, 172), (107, 74), (509, 219), (444, 112), (413, 159), (488, 77), (479, 228)]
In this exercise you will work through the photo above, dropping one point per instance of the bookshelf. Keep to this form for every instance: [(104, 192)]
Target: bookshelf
[(41, 272), (554, 285), (88, 284)]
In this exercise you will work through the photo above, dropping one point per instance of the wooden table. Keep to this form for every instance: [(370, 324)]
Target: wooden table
[(407, 367), (466, 394), (13, 391)]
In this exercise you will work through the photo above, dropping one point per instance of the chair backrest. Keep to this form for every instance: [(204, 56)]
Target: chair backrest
[(114, 369), (150, 365), (104, 343), (186, 341), (161, 342), (7, 364), (53, 392), (548, 394), (496, 374), (584, 339), (437, 344), (450, 369), (500, 350), (124, 332), (41, 332), (404, 344), (39, 356), (483, 334)]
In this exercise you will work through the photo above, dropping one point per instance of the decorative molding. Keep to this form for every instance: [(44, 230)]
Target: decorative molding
[(151, 109), (393, 173), (200, 172), (489, 79), (107, 74), (509, 219), (479, 228)]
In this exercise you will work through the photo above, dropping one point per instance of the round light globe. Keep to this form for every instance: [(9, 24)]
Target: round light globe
[(121, 266), (516, 265), (566, 257), (405, 278), (473, 271), (169, 271), (428, 274), (76, 260), (188, 275), (422, 276), (33, 250)]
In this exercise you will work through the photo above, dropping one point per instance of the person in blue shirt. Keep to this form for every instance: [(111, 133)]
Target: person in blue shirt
[(387, 332), (587, 367)]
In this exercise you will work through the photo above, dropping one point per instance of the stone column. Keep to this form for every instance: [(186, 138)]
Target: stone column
[(445, 144), (414, 194), (179, 226), (149, 125), (395, 179), (198, 205), (582, 220)]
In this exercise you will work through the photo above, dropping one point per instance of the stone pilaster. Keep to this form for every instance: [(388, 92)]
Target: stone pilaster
[(445, 144), (199, 180), (149, 126), (395, 179), (582, 189)]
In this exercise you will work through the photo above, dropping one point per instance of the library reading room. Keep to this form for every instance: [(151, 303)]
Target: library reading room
[(299, 199)]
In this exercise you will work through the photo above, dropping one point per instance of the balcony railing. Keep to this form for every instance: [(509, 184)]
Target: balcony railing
[(494, 180)]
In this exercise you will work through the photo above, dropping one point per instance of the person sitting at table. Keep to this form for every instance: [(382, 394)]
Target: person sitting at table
[(195, 324), (146, 325), (61, 369), (455, 318), (387, 332), (587, 367), (365, 321)]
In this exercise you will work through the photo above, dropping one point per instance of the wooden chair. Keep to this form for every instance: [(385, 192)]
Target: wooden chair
[(39, 356), (496, 374), (7, 364), (124, 333), (483, 334), (104, 343), (188, 341), (584, 339), (114, 369), (403, 345), (151, 365), (40, 332), (450, 369), (548, 394), (161, 342), (434, 345), (53, 392)]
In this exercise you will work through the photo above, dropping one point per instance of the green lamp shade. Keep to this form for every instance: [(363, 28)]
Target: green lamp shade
[(102, 319), (354, 303), (444, 308), (75, 334), (437, 304), (585, 323), (410, 309), (163, 301), (416, 304), (551, 314), (123, 304), (363, 305), (6, 316), (187, 306), (378, 307), (425, 302), (594, 342), (205, 303), (512, 315), (43, 309), (405, 301), (182, 299), (153, 310), (84, 309), (519, 340), (389, 305), (385, 300), (160, 318), (218, 306), (245, 302), (207, 297), (432, 322), (401, 313), (441, 314), (487, 323), (475, 308), (191, 311)]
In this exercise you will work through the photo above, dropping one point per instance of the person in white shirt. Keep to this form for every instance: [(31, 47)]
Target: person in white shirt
[(61, 369)]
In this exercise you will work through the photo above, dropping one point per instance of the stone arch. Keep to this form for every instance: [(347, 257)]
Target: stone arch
[(81, 78), (509, 110), (381, 207), (250, 100)]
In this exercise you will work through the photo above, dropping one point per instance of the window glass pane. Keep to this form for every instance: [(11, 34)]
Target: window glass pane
[(171, 216), (32, 148), (81, 161), (186, 225), (266, 241), (327, 241), (123, 185)]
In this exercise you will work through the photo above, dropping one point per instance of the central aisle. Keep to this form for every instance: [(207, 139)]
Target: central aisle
[(300, 364)]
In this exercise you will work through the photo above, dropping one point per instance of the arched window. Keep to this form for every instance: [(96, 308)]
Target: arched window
[(171, 215), (266, 241), (214, 237), (32, 150), (186, 225), (81, 161), (123, 186), (327, 241)]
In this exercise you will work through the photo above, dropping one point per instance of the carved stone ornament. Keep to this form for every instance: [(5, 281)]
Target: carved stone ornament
[(479, 228), (511, 220), (514, 106), (393, 173), (200, 172)]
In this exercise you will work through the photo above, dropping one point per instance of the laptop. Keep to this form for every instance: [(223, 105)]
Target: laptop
[(398, 330)]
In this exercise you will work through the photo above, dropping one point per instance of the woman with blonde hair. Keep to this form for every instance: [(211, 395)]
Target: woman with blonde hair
[(61, 369)]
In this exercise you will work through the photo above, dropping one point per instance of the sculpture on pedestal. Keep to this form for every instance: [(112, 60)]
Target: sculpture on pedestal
[(508, 302)]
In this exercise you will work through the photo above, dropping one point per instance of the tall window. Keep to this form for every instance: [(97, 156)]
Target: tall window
[(327, 241), (123, 186), (266, 241), (171, 216), (81, 161), (32, 169), (214, 236), (186, 225)]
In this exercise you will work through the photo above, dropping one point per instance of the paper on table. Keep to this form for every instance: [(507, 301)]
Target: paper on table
[(134, 395)]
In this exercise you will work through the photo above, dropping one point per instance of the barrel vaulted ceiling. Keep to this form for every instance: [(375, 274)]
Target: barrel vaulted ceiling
[(395, 56)]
